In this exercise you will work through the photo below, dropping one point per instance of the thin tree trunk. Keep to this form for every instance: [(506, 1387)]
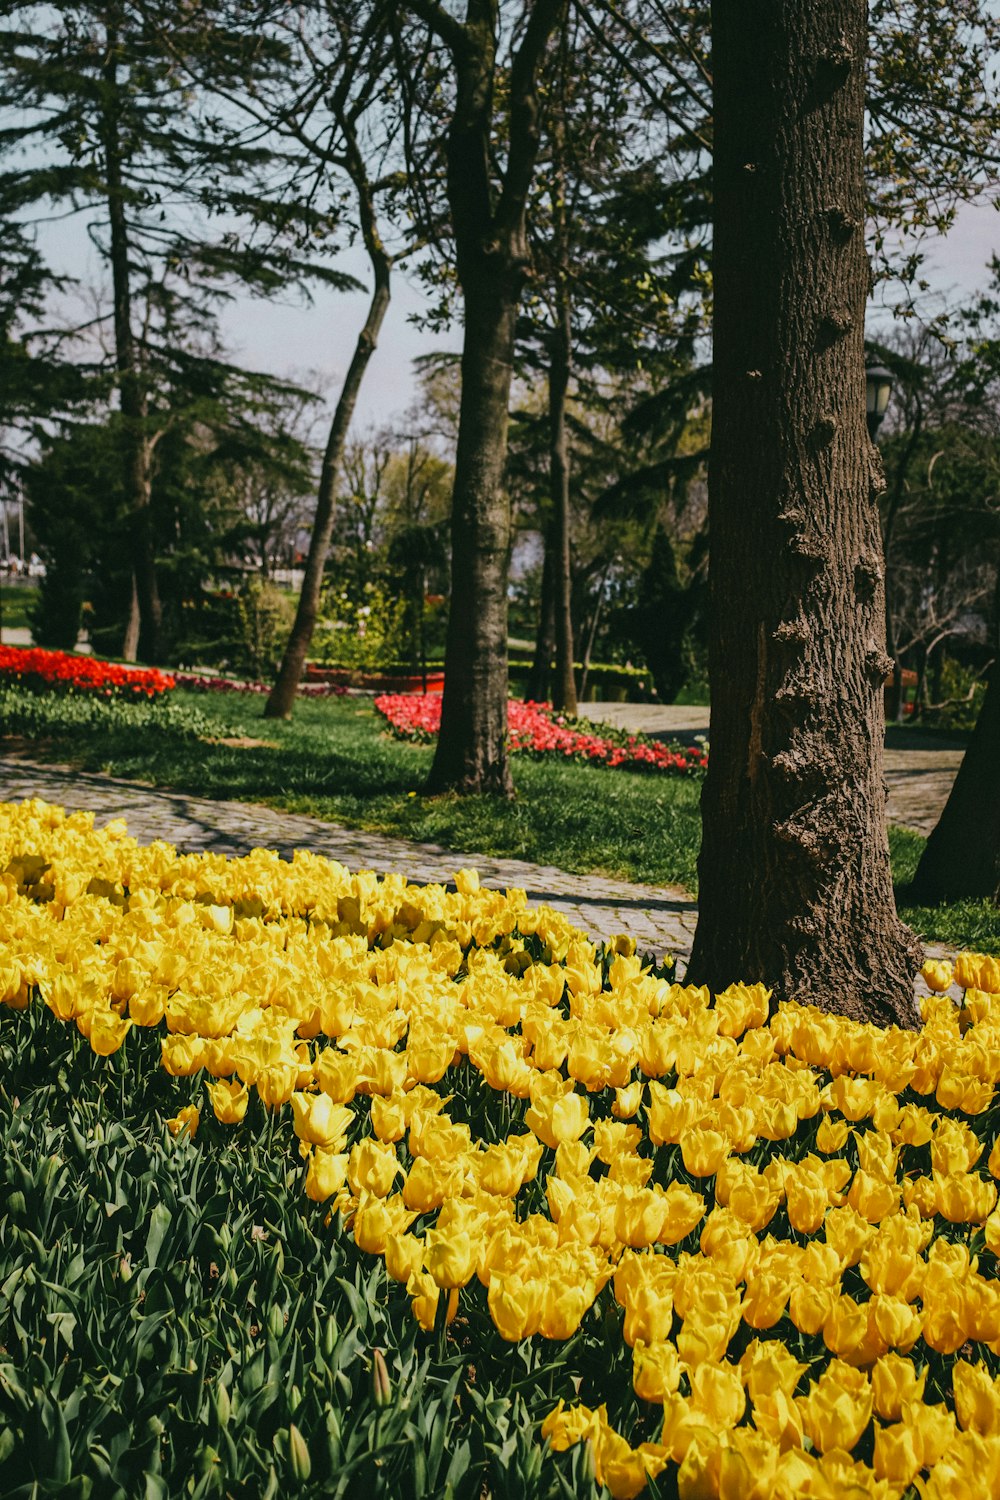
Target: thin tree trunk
[(130, 641), (961, 859), (895, 710), (471, 754), (282, 697), (564, 686), (148, 641), (281, 700), (592, 632), (537, 687), (795, 886)]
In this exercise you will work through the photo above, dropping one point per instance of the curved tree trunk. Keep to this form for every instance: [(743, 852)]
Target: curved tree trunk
[(564, 684), (281, 700), (961, 859), (146, 641), (282, 697), (795, 885)]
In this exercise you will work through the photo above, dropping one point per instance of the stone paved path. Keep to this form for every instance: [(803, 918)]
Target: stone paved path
[(661, 919), (919, 779)]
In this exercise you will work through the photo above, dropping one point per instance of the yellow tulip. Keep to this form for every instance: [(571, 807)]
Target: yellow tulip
[(937, 974), (326, 1175), (182, 1056), (838, 1407), (375, 1219), (107, 1032), (768, 1366), (563, 1307), (337, 1076), (564, 1428), (623, 1470), (372, 1166), (318, 1121), (627, 1101), (515, 1305), (186, 1121), (717, 1394), (229, 1100), (450, 1258), (895, 1383), (563, 1118), (404, 1254), (656, 1370), (977, 1398)]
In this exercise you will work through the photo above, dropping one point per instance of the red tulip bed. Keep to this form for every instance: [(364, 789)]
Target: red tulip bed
[(35, 668), (537, 729)]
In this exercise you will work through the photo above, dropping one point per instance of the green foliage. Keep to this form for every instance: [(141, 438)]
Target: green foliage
[(363, 631), (178, 1320), (962, 693), (49, 715), (16, 603), (265, 617), (962, 924)]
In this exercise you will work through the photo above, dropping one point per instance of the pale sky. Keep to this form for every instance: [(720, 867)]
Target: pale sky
[(289, 339), (292, 339)]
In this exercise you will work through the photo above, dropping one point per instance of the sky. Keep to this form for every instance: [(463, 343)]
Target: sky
[(314, 342), (289, 339)]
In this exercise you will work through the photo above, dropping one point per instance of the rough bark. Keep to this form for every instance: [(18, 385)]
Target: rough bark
[(491, 260), (147, 642), (471, 753), (537, 687), (795, 887), (961, 859), (281, 700)]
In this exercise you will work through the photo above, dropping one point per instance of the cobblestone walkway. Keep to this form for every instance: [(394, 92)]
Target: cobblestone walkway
[(919, 780), (661, 919)]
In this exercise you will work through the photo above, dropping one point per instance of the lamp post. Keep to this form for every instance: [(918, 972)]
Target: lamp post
[(878, 388)]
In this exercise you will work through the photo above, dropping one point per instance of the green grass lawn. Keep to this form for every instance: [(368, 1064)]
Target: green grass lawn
[(15, 602), (334, 760)]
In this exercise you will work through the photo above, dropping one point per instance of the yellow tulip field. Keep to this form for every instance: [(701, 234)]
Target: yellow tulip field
[(783, 1224)]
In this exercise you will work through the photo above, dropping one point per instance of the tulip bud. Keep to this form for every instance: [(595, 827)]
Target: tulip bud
[(298, 1453), (381, 1384)]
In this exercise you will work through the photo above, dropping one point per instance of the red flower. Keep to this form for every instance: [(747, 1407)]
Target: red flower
[(533, 727), (36, 667)]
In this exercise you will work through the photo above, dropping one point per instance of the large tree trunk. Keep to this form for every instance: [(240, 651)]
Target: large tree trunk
[(282, 697), (147, 642), (471, 754), (795, 886), (491, 260), (961, 859)]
